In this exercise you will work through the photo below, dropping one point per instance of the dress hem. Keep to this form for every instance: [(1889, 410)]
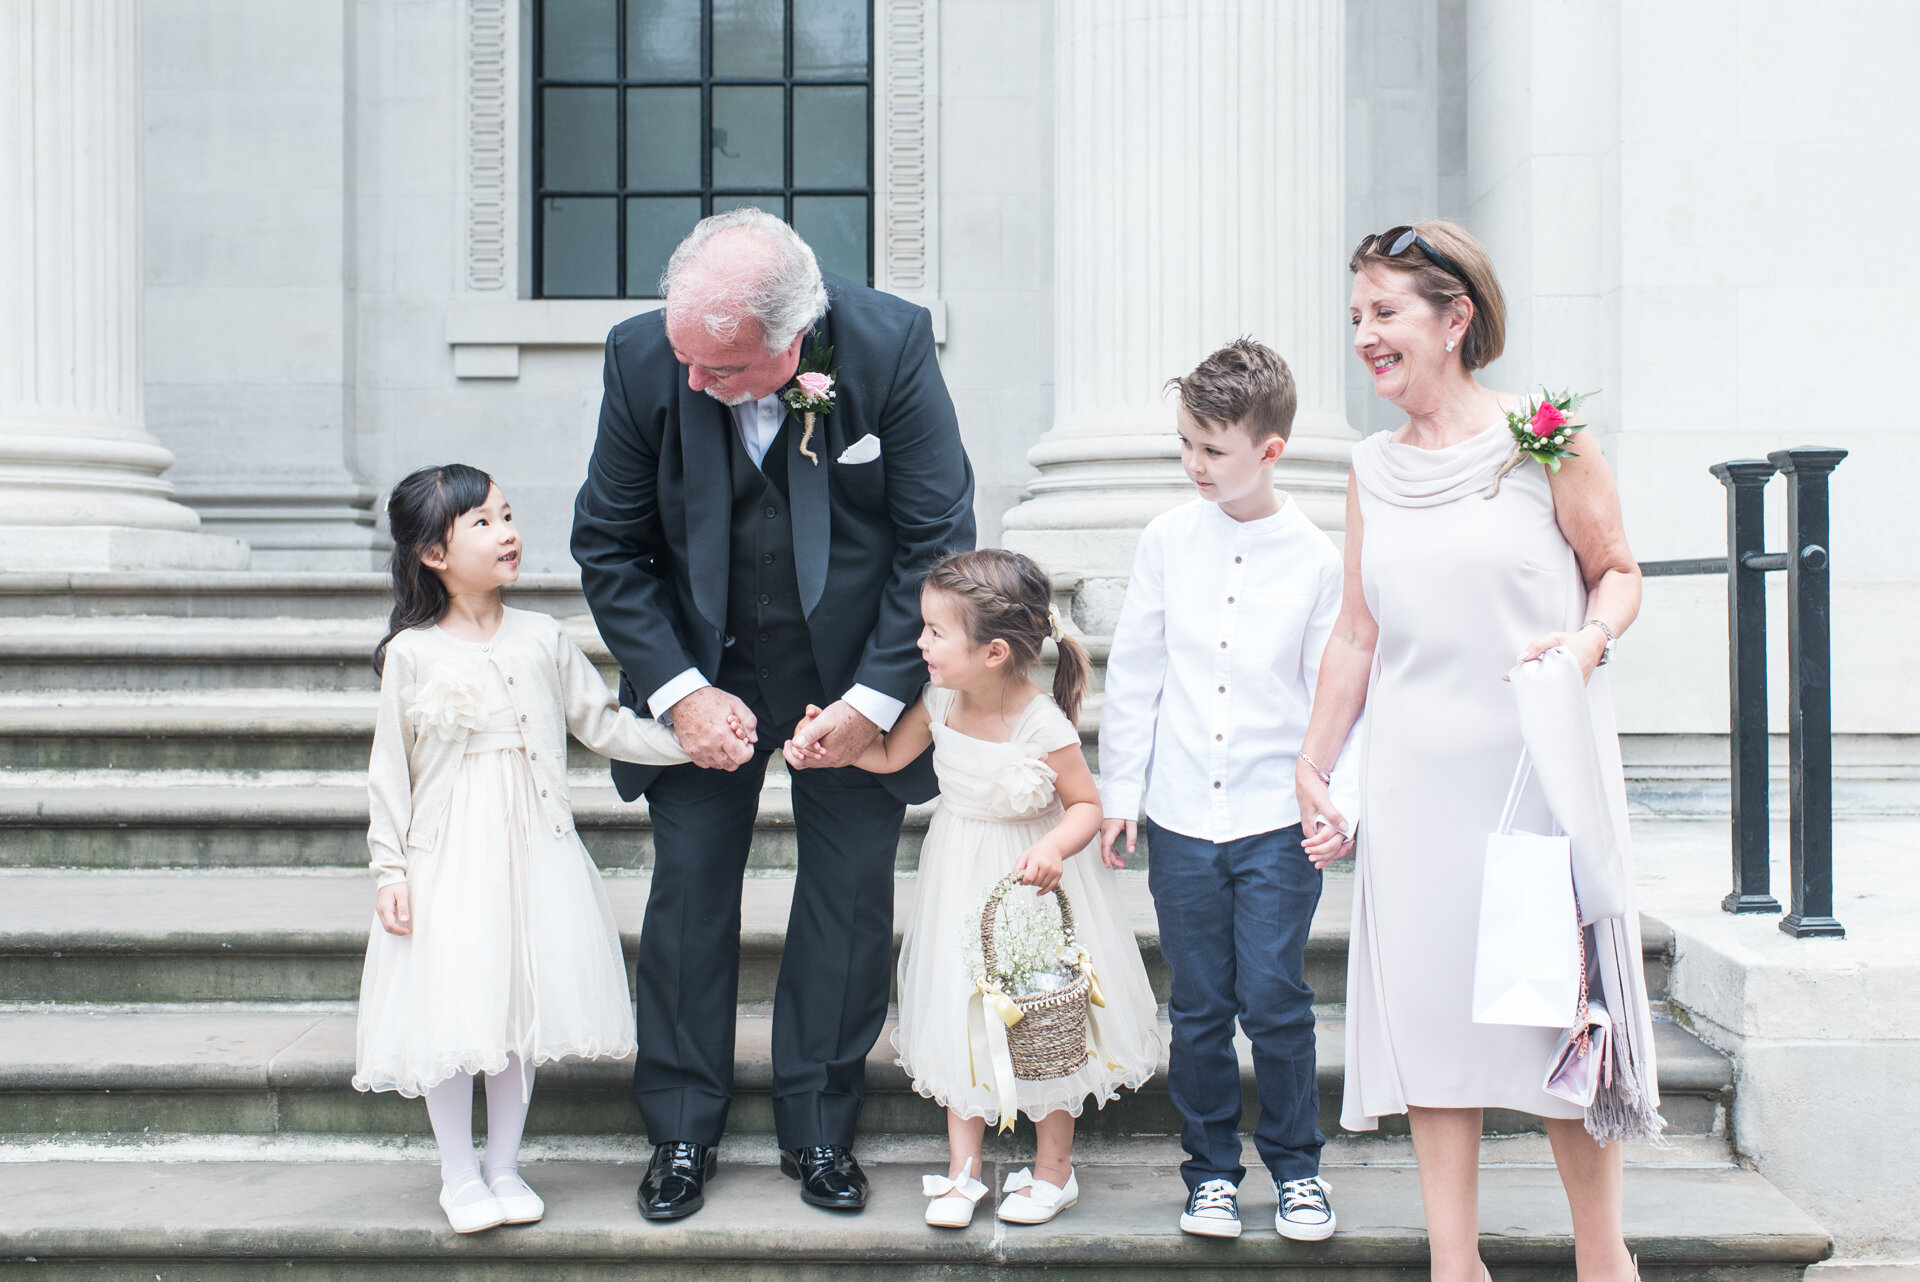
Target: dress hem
[(487, 1063)]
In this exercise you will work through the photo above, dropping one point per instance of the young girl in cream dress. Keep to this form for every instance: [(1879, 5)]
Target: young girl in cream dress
[(1015, 794), (494, 948)]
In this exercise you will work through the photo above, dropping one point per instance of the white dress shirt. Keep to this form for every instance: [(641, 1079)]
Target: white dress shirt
[(1212, 672), (758, 422)]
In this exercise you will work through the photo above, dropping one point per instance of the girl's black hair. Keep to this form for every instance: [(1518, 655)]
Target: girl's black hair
[(420, 516)]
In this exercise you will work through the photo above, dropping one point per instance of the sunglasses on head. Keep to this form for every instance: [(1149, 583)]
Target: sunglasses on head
[(1395, 241)]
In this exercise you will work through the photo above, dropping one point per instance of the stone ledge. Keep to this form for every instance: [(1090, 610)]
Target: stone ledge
[(361, 1219)]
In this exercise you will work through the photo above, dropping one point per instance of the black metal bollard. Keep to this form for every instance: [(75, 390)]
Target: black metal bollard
[(1746, 482), (1810, 697)]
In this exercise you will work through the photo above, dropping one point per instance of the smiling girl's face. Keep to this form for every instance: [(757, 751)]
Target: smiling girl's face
[(481, 552), (954, 660)]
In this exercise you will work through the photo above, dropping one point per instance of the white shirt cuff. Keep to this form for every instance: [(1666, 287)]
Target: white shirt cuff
[(1120, 801), (881, 709), (673, 692)]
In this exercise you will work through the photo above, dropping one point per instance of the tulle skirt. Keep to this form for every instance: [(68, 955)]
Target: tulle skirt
[(513, 950), (962, 858)]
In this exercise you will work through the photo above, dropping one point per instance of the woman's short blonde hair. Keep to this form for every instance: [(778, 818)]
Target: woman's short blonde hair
[(1467, 273)]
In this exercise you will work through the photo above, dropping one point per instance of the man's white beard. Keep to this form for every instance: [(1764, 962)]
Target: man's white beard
[(741, 399)]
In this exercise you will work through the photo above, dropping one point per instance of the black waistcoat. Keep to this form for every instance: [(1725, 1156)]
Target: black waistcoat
[(768, 660)]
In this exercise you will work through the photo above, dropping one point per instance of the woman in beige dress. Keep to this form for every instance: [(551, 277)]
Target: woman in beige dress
[(1447, 586)]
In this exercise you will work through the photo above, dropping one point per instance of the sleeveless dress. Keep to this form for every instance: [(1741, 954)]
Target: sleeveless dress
[(996, 800), (514, 946), (1459, 584)]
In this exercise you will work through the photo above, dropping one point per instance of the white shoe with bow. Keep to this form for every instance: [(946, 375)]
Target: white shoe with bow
[(1031, 1201), (954, 1197)]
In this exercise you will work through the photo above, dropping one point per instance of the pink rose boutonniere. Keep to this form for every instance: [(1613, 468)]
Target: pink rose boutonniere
[(1541, 431), (811, 393)]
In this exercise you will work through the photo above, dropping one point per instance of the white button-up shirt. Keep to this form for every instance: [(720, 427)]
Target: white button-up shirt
[(758, 422), (1211, 677)]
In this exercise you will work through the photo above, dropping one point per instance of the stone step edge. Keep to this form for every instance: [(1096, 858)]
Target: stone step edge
[(366, 1215), (236, 1050)]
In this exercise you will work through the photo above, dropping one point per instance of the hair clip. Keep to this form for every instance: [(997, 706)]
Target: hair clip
[(1053, 621)]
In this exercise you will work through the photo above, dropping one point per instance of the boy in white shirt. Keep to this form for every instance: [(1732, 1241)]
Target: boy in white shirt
[(1208, 687)]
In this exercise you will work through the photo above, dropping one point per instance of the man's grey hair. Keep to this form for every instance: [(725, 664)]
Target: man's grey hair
[(784, 300)]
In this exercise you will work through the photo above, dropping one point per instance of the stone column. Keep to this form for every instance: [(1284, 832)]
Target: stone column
[(80, 483), (1198, 195)]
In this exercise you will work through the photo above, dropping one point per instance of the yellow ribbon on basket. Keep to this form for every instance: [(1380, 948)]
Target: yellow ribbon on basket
[(987, 1039), (1096, 1002)]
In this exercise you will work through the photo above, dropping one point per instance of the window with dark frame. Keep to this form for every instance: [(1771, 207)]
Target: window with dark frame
[(648, 115)]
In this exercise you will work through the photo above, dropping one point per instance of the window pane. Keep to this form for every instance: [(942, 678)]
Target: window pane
[(663, 39), (749, 136), (774, 205), (663, 139), (577, 248), (654, 227), (830, 137), (836, 227), (582, 139), (577, 40), (830, 39), (747, 37)]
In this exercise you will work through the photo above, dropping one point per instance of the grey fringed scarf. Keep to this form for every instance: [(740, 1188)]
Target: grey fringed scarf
[(1569, 730)]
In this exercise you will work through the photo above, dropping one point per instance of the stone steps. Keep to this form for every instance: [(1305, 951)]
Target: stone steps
[(284, 1071), (236, 822), (225, 1221)]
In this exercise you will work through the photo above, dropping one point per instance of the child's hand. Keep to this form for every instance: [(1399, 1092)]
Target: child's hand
[(1110, 830), (395, 907), (1040, 867), (801, 751), (741, 730)]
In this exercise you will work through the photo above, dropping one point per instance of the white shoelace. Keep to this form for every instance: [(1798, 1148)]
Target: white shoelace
[(1215, 1195), (1303, 1195)]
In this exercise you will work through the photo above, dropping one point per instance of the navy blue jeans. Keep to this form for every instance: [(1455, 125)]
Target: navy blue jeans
[(1234, 917)]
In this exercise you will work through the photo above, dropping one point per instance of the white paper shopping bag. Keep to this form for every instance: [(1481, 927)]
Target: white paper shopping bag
[(1526, 966)]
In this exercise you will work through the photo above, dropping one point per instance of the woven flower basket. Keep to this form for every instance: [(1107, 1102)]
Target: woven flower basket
[(1051, 1038)]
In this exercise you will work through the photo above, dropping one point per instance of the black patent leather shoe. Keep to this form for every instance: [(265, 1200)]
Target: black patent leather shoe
[(829, 1176), (676, 1181)]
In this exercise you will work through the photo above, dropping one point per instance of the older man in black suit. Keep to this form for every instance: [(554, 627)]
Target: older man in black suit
[(739, 571)]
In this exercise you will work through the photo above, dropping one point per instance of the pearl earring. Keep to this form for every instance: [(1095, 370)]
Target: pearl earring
[(1449, 344)]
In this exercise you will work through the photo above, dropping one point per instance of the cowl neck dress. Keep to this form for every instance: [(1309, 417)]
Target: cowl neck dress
[(1459, 583)]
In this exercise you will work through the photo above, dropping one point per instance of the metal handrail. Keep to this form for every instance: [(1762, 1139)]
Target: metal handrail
[(1809, 681)]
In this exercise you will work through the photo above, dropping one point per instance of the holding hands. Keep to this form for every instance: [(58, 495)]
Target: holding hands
[(837, 735), (1328, 834), (715, 729)]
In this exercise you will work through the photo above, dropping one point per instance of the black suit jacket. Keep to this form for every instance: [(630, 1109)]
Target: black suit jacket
[(651, 524)]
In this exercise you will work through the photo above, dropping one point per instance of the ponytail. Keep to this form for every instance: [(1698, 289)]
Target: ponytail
[(1071, 672)]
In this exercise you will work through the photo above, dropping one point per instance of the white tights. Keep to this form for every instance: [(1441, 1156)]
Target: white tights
[(450, 1109)]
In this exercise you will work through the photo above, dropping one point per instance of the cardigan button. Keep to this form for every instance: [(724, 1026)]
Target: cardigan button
[(533, 756), (509, 680), (523, 716), (543, 792)]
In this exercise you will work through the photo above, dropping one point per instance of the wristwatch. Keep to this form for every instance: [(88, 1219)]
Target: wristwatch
[(1606, 652)]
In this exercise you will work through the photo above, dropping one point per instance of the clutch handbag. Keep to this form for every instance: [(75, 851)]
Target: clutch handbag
[(1584, 1054)]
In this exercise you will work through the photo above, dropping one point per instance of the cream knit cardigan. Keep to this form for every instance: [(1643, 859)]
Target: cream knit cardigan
[(431, 698)]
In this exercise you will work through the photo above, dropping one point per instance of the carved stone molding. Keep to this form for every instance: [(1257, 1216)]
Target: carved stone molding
[(906, 132), (492, 76)]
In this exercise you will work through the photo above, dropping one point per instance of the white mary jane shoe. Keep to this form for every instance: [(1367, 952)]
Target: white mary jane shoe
[(471, 1217), (953, 1199), (1031, 1201), (519, 1204)]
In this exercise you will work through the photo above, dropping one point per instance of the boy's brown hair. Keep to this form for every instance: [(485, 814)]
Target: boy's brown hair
[(1245, 383)]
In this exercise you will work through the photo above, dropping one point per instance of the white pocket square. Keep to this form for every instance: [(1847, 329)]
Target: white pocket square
[(864, 450)]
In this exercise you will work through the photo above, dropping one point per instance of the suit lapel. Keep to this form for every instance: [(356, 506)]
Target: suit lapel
[(807, 493), (704, 424)]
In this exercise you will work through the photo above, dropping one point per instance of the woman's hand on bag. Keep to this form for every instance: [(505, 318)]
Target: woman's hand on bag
[(1040, 867), (1584, 644), (1325, 833), (1110, 830), (395, 907)]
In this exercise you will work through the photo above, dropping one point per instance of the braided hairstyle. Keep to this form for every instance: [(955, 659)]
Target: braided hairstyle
[(1004, 596), (420, 516)]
